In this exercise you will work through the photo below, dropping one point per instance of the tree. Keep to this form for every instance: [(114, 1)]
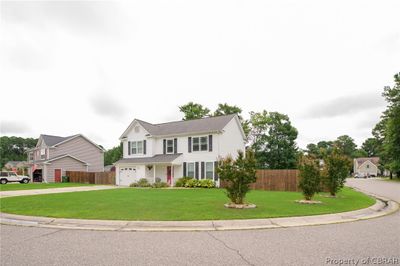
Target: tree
[(194, 111), (336, 168), (372, 147), (310, 178), (113, 155), (346, 145), (238, 174), (226, 109), (273, 137), (313, 150), (391, 140), (15, 148), (359, 153)]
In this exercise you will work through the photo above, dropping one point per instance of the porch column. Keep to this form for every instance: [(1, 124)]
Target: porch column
[(172, 175), (154, 173)]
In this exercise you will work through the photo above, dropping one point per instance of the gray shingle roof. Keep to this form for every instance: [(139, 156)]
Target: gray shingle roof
[(374, 160), (53, 140), (158, 158), (209, 124)]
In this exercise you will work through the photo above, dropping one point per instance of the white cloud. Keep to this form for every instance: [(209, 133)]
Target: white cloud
[(278, 55)]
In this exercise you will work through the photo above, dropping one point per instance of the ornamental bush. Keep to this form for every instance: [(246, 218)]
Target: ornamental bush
[(181, 182), (143, 182), (206, 183), (310, 178), (238, 174), (336, 168), (192, 183)]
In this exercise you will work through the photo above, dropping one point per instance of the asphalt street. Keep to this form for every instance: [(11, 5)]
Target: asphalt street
[(366, 242)]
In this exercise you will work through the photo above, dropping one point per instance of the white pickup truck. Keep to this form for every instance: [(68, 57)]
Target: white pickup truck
[(6, 176)]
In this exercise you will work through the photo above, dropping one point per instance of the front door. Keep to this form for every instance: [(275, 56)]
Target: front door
[(57, 175), (169, 175)]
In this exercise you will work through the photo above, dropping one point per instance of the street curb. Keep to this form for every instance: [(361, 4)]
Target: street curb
[(382, 207)]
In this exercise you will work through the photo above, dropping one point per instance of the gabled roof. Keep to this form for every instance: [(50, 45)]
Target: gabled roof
[(63, 156), (374, 160), (52, 141), (203, 125), (158, 158)]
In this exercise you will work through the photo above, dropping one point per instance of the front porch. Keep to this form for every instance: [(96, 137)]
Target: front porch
[(161, 173)]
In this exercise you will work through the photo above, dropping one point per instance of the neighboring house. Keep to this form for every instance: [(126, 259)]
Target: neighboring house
[(171, 150), (109, 168), (53, 155), (16, 165), (368, 166)]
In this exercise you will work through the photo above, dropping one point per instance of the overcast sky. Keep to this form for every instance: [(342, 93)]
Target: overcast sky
[(92, 67)]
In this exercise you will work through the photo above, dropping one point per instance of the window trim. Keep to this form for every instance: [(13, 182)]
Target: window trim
[(199, 138), (187, 169), (135, 145), (212, 170), (166, 146)]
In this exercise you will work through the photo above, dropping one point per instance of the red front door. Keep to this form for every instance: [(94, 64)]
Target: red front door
[(57, 175), (169, 175)]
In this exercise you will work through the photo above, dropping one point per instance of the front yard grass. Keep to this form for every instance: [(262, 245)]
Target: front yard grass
[(18, 186), (176, 204)]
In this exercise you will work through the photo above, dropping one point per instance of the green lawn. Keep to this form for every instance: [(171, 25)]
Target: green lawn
[(18, 186), (175, 204)]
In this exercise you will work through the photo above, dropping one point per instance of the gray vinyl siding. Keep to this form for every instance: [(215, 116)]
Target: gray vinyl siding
[(65, 164), (82, 149)]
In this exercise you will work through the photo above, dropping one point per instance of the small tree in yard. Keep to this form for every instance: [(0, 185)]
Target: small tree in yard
[(310, 178), (238, 174), (337, 168)]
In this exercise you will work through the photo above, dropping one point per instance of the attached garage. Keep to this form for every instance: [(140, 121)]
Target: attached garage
[(127, 175)]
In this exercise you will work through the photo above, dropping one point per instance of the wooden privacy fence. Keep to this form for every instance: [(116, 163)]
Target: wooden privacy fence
[(276, 180), (99, 178)]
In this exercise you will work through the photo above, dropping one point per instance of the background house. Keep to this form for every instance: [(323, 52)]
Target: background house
[(367, 166), (54, 155), (20, 167)]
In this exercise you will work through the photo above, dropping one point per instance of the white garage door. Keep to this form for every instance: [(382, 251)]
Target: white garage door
[(127, 176)]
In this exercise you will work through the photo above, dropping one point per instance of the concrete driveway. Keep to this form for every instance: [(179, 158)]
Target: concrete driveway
[(362, 241), (27, 192)]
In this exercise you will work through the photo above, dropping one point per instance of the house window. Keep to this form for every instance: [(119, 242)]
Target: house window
[(367, 166), (170, 146), (210, 170), (137, 129), (200, 144), (190, 170), (43, 154), (31, 156), (137, 147)]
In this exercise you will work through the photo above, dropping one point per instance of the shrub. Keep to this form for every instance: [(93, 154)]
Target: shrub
[(239, 174), (181, 182), (192, 183), (336, 169), (310, 177), (143, 182), (206, 183), (159, 184)]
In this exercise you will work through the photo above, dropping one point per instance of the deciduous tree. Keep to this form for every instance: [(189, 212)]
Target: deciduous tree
[(238, 175)]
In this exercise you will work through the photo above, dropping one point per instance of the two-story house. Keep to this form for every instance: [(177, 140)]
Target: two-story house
[(54, 155), (172, 150)]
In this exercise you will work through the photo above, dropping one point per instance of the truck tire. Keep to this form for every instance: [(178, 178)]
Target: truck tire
[(3, 181), (24, 181)]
